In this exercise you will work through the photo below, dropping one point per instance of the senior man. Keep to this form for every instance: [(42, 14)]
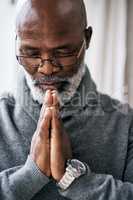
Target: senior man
[(59, 137)]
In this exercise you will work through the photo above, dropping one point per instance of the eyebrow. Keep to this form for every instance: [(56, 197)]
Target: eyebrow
[(65, 46), (29, 47)]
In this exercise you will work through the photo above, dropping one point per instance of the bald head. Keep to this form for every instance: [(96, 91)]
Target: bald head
[(70, 12), (54, 30)]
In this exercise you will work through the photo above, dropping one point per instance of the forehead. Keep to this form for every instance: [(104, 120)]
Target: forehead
[(48, 43), (40, 25), (43, 35)]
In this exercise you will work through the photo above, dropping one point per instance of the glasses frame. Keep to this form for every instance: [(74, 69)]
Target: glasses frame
[(42, 63)]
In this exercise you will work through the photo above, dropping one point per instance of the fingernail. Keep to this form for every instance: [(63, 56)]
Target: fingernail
[(54, 91), (47, 109), (47, 92)]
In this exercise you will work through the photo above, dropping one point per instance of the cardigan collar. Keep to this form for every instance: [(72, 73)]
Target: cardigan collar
[(86, 95)]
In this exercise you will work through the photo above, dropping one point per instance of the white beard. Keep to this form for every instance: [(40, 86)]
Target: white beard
[(65, 95)]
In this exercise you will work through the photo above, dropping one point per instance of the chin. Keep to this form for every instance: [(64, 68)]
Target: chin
[(65, 91)]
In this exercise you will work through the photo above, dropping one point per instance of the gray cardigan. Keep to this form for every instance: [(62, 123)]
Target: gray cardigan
[(101, 133)]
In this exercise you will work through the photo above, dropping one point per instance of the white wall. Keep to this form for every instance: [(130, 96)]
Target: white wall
[(107, 54), (102, 67), (6, 44), (129, 63)]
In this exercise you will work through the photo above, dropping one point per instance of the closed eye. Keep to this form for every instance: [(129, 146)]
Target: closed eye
[(30, 52), (64, 53)]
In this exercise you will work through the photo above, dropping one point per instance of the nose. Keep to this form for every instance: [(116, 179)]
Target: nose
[(48, 68)]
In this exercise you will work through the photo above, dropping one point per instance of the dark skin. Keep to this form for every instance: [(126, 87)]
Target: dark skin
[(50, 149), (44, 27)]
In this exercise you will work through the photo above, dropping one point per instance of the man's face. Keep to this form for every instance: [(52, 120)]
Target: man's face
[(50, 37)]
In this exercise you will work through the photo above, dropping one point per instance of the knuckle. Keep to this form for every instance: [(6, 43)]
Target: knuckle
[(41, 132)]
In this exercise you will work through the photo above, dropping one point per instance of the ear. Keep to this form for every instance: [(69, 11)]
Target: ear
[(88, 34)]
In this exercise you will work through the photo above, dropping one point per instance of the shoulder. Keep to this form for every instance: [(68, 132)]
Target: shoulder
[(115, 111), (7, 103), (110, 104), (7, 98)]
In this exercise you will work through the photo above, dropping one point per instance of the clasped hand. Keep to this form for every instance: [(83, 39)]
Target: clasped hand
[(50, 146)]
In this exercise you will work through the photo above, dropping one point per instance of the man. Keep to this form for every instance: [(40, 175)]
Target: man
[(61, 138)]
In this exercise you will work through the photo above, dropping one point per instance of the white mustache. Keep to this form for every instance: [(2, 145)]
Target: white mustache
[(54, 79)]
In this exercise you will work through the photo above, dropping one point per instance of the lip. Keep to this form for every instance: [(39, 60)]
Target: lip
[(50, 85)]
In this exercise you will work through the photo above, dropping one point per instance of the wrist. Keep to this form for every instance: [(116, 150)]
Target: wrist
[(74, 170), (57, 174)]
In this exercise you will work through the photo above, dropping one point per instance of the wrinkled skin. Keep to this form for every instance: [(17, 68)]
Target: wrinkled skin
[(44, 27)]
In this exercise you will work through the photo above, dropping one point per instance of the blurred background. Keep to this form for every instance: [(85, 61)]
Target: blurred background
[(109, 58)]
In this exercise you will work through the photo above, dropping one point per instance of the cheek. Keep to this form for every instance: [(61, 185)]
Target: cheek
[(68, 71), (72, 70), (32, 72)]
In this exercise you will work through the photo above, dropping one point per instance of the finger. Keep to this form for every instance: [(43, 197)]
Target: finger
[(44, 125), (47, 102), (57, 160), (56, 125), (56, 102)]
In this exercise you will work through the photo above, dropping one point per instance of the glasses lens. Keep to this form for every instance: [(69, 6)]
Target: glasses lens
[(65, 61), (29, 62), (35, 62)]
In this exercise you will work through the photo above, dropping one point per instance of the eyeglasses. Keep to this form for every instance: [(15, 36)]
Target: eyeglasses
[(60, 61)]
